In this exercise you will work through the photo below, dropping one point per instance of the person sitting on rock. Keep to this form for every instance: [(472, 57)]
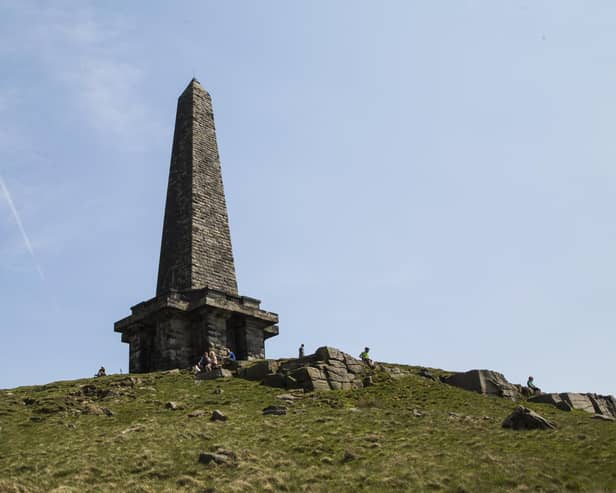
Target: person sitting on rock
[(204, 364), (365, 357), (228, 355), (531, 385), (101, 372), (213, 359)]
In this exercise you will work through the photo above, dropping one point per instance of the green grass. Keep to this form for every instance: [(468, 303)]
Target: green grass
[(362, 440)]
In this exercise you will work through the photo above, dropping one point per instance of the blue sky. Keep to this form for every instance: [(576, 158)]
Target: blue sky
[(433, 179)]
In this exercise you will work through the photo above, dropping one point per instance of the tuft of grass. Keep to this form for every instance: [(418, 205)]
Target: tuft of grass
[(401, 434)]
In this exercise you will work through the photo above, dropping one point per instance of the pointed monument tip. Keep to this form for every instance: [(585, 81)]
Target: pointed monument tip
[(194, 84)]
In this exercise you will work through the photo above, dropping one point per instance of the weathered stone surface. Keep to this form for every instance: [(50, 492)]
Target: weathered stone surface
[(174, 406), (485, 382), (553, 399), (276, 380), (523, 418), (328, 368), (591, 403), (275, 410), (604, 417), (197, 413), (259, 369), (215, 373), (208, 457), (218, 416), (327, 353)]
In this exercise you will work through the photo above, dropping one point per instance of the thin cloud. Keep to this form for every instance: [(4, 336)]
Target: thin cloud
[(24, 235)]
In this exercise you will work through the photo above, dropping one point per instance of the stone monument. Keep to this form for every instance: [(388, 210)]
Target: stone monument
[(197, 304)]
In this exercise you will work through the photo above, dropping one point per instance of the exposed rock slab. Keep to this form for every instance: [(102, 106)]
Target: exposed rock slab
[(591, 403), (523, 418), (485, 382), (213, 374)]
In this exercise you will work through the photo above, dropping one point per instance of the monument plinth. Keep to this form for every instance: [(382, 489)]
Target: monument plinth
[(197, 303)]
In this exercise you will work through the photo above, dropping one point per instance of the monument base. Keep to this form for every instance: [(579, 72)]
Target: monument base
[(173, 330)]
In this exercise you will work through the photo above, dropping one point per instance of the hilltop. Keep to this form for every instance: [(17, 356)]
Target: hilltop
[(146, 433)]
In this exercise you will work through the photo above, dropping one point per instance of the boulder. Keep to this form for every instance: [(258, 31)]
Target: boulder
[(275, 410), (603, 404), (326, 354), (215, 373), (218, 416), (259, 369), (604, 417), (485, 382), (591, 403), (276, 380), (208, 457), (554, 399), (523, 418)]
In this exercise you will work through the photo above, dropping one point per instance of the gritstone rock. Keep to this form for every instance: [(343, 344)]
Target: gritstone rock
[(523, 418), (328, 368), (218, 416), (591, 403), (485, 382), (207, 457), (275, 410), (214, 373)]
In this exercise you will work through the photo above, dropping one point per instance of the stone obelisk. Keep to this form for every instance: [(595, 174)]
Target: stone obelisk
[(197, 303)]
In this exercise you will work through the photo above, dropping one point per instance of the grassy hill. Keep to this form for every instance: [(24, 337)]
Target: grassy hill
[(406, 434)]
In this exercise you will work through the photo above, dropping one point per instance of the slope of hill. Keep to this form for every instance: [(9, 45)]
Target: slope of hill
[(121, 433)]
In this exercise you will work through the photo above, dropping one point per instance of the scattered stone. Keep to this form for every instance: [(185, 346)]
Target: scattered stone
[(604, 417), (426, 374), (175, 371), (174, 406), (218, 390), (91, 408), (367, 381), (207, 457), (215, 373), (218, 416), (327, 460), (485, 382), (228, 453), (354, 410), (523, 418), (275, 410), (197, 413), (287, 397), (417, 414), (348, 456), (134, 428)]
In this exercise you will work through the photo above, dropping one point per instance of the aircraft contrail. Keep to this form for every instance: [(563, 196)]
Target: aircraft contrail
[(20, 225)]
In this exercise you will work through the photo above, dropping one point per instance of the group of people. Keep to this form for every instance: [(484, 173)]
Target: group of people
[(210, 360)]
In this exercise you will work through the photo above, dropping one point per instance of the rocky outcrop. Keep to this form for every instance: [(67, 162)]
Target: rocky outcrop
[(523, 418), (214, 373), (485, 382), (591, 403), (327, 369)]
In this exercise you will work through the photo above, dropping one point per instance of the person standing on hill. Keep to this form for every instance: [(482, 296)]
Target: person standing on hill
[(365, 357), (301, 351)]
